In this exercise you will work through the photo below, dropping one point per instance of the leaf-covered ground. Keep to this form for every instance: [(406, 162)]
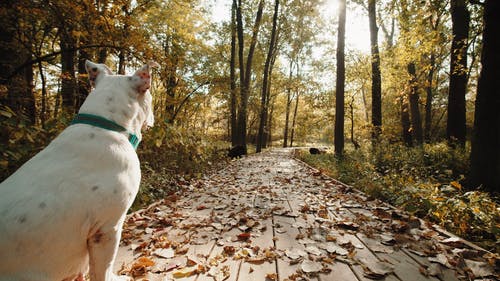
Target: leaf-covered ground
[(271, 217)]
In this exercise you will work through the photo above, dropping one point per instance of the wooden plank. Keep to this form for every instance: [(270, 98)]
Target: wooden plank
[(404, 267), (285, 238), (250, 271), (229, 262)]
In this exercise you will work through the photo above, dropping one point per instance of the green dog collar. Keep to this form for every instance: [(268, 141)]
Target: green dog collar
[(101, 122)]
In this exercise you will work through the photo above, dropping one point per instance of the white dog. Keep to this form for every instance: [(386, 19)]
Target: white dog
[(62, 212)]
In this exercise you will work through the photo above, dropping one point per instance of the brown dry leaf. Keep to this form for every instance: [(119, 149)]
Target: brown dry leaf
[(453, 242), (271, 277), (244, 236), (219, 274), (181, 250), (256, 259), (229, 250), (349, 225), (139, 267), (305, 208)]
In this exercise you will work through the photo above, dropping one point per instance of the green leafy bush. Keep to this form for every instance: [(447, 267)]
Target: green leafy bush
[(19, 140)]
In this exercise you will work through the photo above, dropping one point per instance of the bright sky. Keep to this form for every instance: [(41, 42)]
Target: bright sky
[(357, 28)]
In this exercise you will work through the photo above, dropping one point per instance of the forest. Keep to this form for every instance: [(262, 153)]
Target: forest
[(402, 96)]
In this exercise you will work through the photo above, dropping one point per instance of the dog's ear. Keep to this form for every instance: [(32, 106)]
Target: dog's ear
[(142, 77), (96, 71)]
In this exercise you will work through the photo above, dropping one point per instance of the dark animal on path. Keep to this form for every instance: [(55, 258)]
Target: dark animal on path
[(237, 151), (314, 150)]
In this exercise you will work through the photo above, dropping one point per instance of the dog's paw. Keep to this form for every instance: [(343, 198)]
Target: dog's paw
[(122, 278)]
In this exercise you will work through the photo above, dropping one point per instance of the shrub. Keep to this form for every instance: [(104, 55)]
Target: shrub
[(424, 181)]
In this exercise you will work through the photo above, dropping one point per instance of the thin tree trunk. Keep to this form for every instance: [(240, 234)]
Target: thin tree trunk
[(340, 83), (83, 84), (405, 122), (294, 118), (268, 135), (428, 100), (288, 105), (456, 123), (232, 75), (376, 76), (365, 104), (413, 98), (265, 87), (44, 95), (68, 79)]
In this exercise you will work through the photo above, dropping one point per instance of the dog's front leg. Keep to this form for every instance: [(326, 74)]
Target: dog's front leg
[(103, 246)]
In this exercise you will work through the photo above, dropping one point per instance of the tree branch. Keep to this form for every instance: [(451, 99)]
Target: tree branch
[(47, 57), (186, 98)]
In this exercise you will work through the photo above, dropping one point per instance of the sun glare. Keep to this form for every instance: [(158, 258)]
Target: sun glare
[(357, 29), (357, 33)]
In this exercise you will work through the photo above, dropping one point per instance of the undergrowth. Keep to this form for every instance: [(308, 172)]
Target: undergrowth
[(170, 155), (424, 181)]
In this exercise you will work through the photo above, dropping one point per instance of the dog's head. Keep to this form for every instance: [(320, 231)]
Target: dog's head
[(122, 98)]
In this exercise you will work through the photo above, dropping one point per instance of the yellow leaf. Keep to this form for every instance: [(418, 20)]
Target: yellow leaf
[(456, 185), (184, 272), (143, 262)]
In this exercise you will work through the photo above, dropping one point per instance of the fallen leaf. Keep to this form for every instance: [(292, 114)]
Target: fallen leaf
[(308, 266), (244, 236), (164, 253), (295, 253), (480, 269), (272, 277), (313, 250), (375, 269), (333, 248)]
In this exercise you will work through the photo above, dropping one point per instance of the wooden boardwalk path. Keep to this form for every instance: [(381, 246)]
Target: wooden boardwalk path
[(271, 217)]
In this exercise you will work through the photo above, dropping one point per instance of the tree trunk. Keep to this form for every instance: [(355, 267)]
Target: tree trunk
[(16, 87), (266, 79), (340, 83), (376, 76), (294, 118), (485, 155), (232, 75), (413, 98), (43, 110), (245, 86), (83, 83), (68, 79), (456, 125), (268, 135), (288, 106), (428, 100), (405, 122), (171, 81)]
